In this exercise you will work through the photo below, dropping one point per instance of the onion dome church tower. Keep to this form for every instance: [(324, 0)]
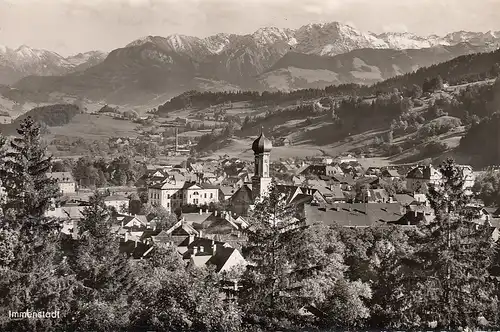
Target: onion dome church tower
[(261, 179)]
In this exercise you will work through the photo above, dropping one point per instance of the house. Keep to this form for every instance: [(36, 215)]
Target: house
[(391, 174), (377, 196), (346, 159), (241, 200), (118, 202), (136, 249), (346, 182), (73, 211), (404, 199), (136, 221), (337, 195), (202, 194), (469, 178), (176, 234), (221, 224), (420, 177), (195, 218), (225, 193), (65, 181), (283, 141), (201, 252), (318, 170), (168, 194)]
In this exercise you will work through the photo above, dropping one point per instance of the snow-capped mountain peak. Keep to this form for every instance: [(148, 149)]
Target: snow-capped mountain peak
[(271, 35), (142, 41)]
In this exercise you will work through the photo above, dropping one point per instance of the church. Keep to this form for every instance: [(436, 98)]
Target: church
[(242, 201)]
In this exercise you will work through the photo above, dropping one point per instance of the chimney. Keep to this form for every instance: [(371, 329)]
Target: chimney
[(126, 236), (201, 212), (122, 223), (416, 213), (75, 229), (206, 211), (215, 213), (214, 248), (202, 249), (195, 251), (191, 239), (135, 245)]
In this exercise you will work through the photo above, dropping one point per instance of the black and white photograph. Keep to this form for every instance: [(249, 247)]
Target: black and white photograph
[(249, 166)]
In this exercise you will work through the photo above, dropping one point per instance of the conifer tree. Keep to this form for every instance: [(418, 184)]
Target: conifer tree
[(29, 191), (293, 265), (104, 272), (447, 281)]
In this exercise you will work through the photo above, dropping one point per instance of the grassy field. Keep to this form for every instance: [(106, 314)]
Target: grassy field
[(96, 127)]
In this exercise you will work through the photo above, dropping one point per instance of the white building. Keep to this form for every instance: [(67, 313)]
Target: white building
[(65, 181), (201, 194), (421, 176), (168, 194), (172, 194), (118, 202)]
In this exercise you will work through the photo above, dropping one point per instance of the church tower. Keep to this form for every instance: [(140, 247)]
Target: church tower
[(261, 179)]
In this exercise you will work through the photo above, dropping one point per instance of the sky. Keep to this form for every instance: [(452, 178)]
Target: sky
[(72, 26)]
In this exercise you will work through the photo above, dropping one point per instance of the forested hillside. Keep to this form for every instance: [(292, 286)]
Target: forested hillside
[(50, 116)]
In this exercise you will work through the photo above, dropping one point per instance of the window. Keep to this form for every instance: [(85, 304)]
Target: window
[(211, 195), (205, 195), (168, 195), (195, 193), (195, 201)]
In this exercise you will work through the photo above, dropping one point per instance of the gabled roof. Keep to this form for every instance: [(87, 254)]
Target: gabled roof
[(344, 179), (378, 195), (208, 186), (221, 257), (169, 184), (390, 173), (337, 193), (200, 242), (227, 191), (404, 199), (354, 215), (181, 229), (137, 250), (289, 192), (191, 218), (61, 177), (214, 222)]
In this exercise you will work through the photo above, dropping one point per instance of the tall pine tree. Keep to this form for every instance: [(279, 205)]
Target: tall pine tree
[(446, 281), (29, 191), (293, 266), (104, 272)]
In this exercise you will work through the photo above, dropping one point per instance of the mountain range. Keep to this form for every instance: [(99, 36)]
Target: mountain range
[(25, 61), (315, 55)]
